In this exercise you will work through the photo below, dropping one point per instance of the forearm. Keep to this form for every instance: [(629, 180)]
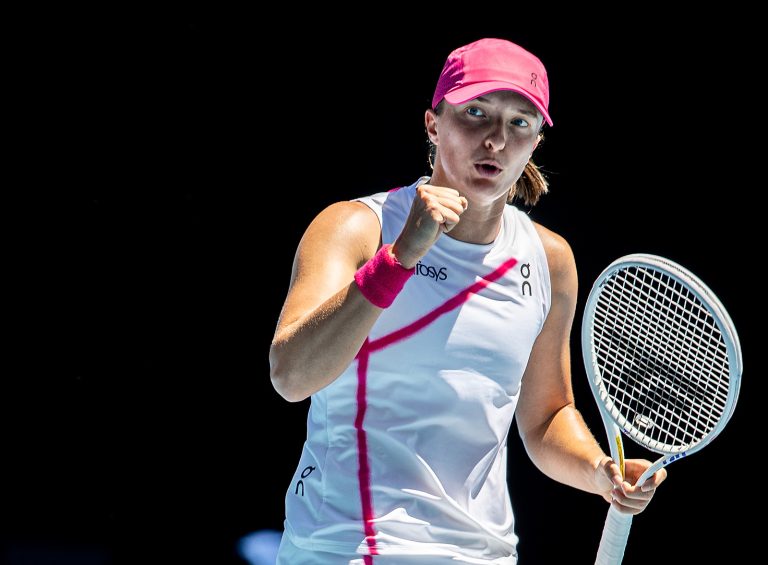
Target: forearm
[(312, 351), (565, 450)]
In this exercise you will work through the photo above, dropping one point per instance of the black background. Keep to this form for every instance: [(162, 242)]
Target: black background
[(176, 165)]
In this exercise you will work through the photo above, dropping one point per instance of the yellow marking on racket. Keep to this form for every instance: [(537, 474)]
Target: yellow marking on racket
[(620, 449)]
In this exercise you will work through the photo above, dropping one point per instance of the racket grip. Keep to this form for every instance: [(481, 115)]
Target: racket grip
[(614, 539)]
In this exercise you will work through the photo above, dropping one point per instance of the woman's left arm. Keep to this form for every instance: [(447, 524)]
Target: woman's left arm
[(553, 431)]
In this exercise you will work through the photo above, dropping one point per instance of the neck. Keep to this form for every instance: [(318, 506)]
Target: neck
[(475, 229)]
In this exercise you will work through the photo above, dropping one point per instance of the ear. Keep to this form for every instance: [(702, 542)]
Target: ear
[(430, 121)]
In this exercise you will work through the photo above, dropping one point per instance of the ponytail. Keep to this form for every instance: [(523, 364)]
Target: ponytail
[(530, 186)]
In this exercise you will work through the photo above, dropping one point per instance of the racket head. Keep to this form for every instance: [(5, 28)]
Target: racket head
[(661, 353)]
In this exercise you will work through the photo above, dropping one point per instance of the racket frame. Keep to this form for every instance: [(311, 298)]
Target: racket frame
[(617, 525)]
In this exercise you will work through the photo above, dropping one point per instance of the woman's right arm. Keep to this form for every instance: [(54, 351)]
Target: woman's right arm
[(325, 318)]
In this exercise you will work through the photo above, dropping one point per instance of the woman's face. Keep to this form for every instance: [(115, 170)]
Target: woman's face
[(483, 145)]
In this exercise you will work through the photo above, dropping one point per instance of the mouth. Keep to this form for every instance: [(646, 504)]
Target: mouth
[(488, 169)]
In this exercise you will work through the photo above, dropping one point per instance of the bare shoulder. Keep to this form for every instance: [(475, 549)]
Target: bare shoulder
[(347, 216), (348, 225), (558, 250), (562, 264)]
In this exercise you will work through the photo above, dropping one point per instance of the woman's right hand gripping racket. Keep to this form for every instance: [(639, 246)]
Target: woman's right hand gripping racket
[(664, 364)]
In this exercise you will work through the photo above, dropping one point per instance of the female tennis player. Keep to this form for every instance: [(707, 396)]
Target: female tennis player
[(421, 321)]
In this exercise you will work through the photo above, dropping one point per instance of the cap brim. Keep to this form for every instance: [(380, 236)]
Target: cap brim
[(470, 91)]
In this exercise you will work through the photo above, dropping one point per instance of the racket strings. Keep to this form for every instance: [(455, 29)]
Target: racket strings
[(662, 318), (663, 359)]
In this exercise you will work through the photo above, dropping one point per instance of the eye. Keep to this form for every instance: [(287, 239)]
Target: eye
[(520, 122), (475, 111)]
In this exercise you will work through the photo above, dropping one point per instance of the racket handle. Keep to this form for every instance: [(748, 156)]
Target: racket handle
[(614, 539)]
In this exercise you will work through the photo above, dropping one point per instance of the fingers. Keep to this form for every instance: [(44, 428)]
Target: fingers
[(443, 205), (635, 469), (630, 499), (633, 499), (612, 471), (435, 210), (654, 480), (446, 217), (446, 196), (452, 217)]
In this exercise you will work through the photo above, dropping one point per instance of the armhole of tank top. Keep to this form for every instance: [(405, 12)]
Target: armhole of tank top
[(544, 268), (547, 278)]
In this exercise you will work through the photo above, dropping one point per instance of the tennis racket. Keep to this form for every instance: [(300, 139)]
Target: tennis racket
[(664, 365)]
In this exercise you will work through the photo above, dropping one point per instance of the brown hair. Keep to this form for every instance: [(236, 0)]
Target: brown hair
[(531, 185)]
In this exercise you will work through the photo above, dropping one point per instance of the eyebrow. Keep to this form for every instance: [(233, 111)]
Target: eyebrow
[(532, 113)]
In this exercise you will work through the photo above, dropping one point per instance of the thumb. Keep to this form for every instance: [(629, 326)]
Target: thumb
[(612, 471)]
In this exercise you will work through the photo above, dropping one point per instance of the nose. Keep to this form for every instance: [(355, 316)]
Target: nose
[(496, 139)]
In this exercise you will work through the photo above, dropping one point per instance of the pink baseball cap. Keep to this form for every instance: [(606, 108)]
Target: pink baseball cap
[(492, 64)]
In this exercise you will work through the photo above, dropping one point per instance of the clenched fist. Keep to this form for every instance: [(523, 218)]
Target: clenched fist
[(435, 210)]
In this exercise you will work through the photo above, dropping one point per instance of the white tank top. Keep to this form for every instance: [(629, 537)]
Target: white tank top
[(406, 452)]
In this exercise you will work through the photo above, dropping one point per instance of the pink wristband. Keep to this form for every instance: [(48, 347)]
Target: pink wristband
[(382, 278)]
